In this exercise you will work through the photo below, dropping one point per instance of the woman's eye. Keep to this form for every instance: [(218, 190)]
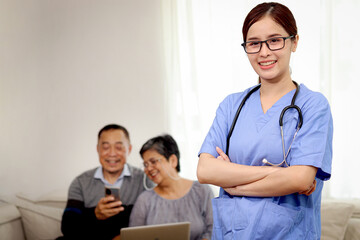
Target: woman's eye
[(275, 40), (253, 44)]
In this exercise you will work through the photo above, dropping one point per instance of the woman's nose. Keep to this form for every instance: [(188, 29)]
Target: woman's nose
[(264, 51)]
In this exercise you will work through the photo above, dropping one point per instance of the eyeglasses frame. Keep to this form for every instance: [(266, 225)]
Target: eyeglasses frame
[(149, 163), (265, 41)]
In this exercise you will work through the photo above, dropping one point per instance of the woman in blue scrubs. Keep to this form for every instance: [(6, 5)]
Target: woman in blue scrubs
[(258, 199)]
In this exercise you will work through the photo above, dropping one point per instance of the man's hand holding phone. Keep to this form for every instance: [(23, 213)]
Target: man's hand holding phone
[(109, 205)]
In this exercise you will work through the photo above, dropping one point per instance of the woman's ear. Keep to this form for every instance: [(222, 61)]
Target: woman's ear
[(295, 43), (173, 160)]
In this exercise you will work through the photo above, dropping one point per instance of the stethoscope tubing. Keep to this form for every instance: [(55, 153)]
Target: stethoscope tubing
[(291, 106), (237, 116)]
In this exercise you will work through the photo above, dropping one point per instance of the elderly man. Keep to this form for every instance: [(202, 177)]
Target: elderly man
[(89, 212)]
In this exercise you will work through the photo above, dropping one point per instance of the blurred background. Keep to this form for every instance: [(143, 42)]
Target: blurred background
[(67, 68)]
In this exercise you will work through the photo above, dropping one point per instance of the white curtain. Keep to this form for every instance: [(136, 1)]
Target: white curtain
[(340, 68), (205, 63)]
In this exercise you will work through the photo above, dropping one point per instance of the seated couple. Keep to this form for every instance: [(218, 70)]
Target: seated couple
[(89, 214)]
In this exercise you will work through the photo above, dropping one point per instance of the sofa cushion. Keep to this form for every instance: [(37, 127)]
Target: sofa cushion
[(356, 203), (353, 201), (39, 221), (353, 229), (10, 223), (334, 219), (8, 213)]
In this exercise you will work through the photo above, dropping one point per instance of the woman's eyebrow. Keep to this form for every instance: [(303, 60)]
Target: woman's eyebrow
[(270, 36)]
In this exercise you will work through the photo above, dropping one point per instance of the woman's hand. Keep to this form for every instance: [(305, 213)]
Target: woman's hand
[(222, 155), (310, 190), (220, 171), (234, 191)]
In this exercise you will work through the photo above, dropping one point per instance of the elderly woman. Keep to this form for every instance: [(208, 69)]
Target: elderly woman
[(174, 199)]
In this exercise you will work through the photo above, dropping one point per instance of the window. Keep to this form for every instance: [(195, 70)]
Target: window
[(206, 62)]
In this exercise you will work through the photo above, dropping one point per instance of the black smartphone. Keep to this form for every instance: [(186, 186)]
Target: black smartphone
[(113, 191)]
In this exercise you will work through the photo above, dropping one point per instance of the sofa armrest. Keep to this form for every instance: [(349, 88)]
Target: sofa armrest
[(334, 219), (10, 222), (41, 216)]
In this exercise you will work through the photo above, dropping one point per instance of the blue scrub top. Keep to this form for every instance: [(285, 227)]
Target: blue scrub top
[(257, 136)]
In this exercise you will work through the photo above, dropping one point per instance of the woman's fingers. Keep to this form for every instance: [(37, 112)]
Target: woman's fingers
[(310, 190), (222, 154)]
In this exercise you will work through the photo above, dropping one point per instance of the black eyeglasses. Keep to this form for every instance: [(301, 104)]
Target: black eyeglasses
[(273, 44)]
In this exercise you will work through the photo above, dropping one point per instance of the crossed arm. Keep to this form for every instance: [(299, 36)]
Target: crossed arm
[(256, 181)]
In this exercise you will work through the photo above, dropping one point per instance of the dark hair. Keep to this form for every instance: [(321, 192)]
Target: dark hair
[(114, 127), (278, 12), (164, 145)]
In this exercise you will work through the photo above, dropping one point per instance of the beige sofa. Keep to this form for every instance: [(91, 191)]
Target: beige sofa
[(33, 218), (340, 219)]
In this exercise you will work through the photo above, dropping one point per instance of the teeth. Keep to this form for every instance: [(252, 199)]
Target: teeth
[(267, 63), (112, 161)]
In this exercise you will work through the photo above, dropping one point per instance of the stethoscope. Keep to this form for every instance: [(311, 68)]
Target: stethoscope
[(291, 106)]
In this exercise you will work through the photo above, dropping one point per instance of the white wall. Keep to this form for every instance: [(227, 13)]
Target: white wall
[(67, 68)]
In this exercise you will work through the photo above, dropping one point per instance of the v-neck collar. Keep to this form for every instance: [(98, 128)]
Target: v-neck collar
[(275, 109)]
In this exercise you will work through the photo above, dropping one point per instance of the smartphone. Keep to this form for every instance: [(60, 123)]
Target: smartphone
[(112, 191)]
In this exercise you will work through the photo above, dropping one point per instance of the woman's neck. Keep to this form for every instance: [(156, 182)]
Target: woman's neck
[(271, 92), (275, 88)]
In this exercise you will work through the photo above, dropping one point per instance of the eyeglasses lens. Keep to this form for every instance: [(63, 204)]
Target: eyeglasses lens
[(272, 44), (149, 163)]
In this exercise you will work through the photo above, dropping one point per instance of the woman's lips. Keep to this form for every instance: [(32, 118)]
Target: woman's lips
[(267, 64)]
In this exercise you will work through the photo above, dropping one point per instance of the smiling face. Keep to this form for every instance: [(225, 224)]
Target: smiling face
[(113, 149), (158, 167), (271, 66)]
